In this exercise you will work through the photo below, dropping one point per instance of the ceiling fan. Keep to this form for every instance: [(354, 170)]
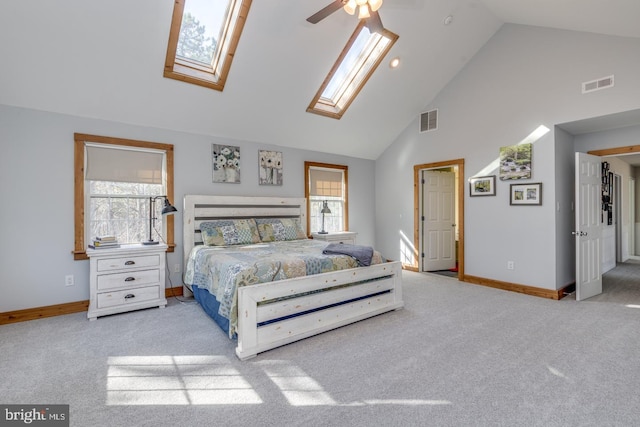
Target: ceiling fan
[(367, 10)]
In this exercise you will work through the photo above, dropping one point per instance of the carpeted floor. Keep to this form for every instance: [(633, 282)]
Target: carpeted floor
[(456, 355)]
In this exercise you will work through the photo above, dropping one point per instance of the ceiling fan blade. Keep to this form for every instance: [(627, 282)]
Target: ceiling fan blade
[(374, 23), (326, 11)]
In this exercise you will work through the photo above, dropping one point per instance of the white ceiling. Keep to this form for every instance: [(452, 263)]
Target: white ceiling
[(72, 58), (613, 17)]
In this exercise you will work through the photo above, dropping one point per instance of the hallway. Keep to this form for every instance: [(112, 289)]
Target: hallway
[(621, 284)]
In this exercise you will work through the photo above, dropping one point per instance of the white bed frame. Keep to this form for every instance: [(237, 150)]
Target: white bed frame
[(384, 280)]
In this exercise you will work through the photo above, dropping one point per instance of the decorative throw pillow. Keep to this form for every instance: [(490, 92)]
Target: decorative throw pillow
[(279, 229), (229, 232)]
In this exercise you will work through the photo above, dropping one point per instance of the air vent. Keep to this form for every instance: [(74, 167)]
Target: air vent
[(429, 121), (594, 85)]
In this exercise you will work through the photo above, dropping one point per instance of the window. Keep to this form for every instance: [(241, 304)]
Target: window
[(357, 62), (114, 179), (203, 38), (326, 182)]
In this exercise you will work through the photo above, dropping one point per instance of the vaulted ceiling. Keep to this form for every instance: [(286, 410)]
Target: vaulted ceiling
[(105, 60)]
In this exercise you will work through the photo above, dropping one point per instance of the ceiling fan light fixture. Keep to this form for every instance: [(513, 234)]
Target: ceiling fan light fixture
[(375, 5), (364, 12), (350, 7)]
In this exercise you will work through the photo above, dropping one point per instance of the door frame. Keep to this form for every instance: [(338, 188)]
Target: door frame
[(617, 151), (417, 188)]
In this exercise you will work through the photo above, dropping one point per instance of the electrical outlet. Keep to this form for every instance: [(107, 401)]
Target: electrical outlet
[(176, 268), (510, 265), (68, 280)]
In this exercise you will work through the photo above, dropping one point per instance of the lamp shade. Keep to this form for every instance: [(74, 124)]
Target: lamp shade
[(325, 208), (168, 208)]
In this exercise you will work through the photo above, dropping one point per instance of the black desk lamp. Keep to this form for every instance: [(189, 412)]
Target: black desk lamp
[(325, 210), (167, 209)]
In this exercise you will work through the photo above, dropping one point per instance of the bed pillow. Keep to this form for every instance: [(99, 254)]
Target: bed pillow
[(229, 232), (280, 229)]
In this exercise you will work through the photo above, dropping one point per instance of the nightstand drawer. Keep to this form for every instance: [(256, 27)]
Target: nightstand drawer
[(110, 264), (128, 296), (347, 237), (128, 279)]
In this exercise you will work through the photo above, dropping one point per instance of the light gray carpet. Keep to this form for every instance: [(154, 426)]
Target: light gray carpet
[(457, 355), (621, 284)]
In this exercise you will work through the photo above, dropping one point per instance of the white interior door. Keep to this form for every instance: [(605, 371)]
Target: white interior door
[(438, 240), (588, 232)]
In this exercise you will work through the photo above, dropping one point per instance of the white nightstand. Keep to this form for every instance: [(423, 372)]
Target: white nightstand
[(127, 278), (348, 237)]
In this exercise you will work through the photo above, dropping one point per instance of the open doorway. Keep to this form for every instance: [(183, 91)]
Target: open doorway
[(619, 229), (439, 217)]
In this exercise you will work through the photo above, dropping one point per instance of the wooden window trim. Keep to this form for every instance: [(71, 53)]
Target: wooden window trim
[(80, 246), (319, 105), (184, 70), (307, 186)]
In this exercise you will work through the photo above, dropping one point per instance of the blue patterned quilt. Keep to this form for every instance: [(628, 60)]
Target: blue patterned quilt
[(221, 270)]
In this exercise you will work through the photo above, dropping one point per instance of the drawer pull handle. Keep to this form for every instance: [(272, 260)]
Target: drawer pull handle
[(129, 296), (129, 279), (129, 263)]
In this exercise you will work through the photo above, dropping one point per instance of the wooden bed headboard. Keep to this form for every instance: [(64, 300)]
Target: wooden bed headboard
[(201, 208)]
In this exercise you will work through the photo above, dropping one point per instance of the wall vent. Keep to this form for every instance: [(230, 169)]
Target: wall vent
[(429, 121), (603, 83)]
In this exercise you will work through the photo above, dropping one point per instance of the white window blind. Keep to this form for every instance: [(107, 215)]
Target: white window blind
[(122, 164), (325, 183)]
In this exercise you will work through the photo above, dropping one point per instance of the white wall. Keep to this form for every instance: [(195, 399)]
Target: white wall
[(36, 183), (565, 208), (522, 78)]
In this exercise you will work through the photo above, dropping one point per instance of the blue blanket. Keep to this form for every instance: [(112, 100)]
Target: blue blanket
[(362, 254)]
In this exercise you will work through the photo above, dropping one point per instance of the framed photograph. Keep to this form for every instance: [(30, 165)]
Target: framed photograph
[(482, 186), (526, 194), (269, 167), (515, 162), (226, 163)]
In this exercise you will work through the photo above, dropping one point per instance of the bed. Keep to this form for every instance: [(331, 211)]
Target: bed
[(278, 287)]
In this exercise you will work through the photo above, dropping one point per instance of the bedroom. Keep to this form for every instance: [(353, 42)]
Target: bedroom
[(40, 118), (494, 92)]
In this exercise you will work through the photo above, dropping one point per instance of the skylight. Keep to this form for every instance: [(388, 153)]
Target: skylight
[(203, 38), (357, 62)]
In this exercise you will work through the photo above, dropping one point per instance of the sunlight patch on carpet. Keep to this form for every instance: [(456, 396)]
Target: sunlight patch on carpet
[(176, 380)]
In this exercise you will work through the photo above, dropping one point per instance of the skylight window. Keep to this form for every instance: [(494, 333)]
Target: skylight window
[(203, 39), (357, 62)]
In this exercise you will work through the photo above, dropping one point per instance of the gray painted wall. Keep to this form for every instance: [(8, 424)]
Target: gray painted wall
[(36, 183), (522, 78)]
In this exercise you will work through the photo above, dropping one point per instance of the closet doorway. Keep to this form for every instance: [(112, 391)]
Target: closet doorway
[(439, 217)]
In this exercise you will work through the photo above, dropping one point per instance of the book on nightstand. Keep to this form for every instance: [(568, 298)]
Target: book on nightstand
[(104, 242)]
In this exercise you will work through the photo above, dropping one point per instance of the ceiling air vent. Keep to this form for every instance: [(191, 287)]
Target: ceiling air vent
[(594, 85), (429, 121)]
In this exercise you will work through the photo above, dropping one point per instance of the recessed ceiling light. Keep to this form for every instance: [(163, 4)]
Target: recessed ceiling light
[(394, 62)]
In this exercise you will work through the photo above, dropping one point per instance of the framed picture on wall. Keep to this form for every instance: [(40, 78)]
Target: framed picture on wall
[(269, 167), (226, 163), (482, 186), (526, 194), (515, 161)]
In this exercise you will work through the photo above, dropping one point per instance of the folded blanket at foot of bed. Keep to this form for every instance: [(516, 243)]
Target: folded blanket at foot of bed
[(362, 254)]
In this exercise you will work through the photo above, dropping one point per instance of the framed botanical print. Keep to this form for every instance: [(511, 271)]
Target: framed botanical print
[(226, 163), (270, 167)]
